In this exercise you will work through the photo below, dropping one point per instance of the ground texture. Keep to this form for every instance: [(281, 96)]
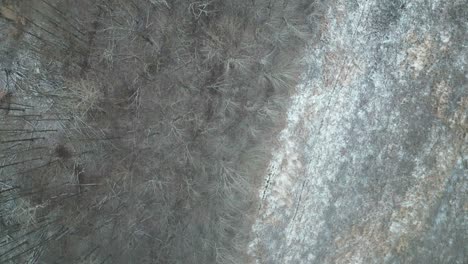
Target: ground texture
[(372, 167)]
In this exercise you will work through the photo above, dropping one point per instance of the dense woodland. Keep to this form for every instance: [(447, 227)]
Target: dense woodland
[(139, 131)]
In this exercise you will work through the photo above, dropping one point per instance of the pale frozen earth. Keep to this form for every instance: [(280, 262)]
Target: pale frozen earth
[(372, 165)]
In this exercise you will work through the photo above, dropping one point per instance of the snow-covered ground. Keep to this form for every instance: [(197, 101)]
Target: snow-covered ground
[(371, 167)]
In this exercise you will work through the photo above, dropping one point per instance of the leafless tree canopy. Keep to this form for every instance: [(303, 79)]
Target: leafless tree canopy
[(138, 131)]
